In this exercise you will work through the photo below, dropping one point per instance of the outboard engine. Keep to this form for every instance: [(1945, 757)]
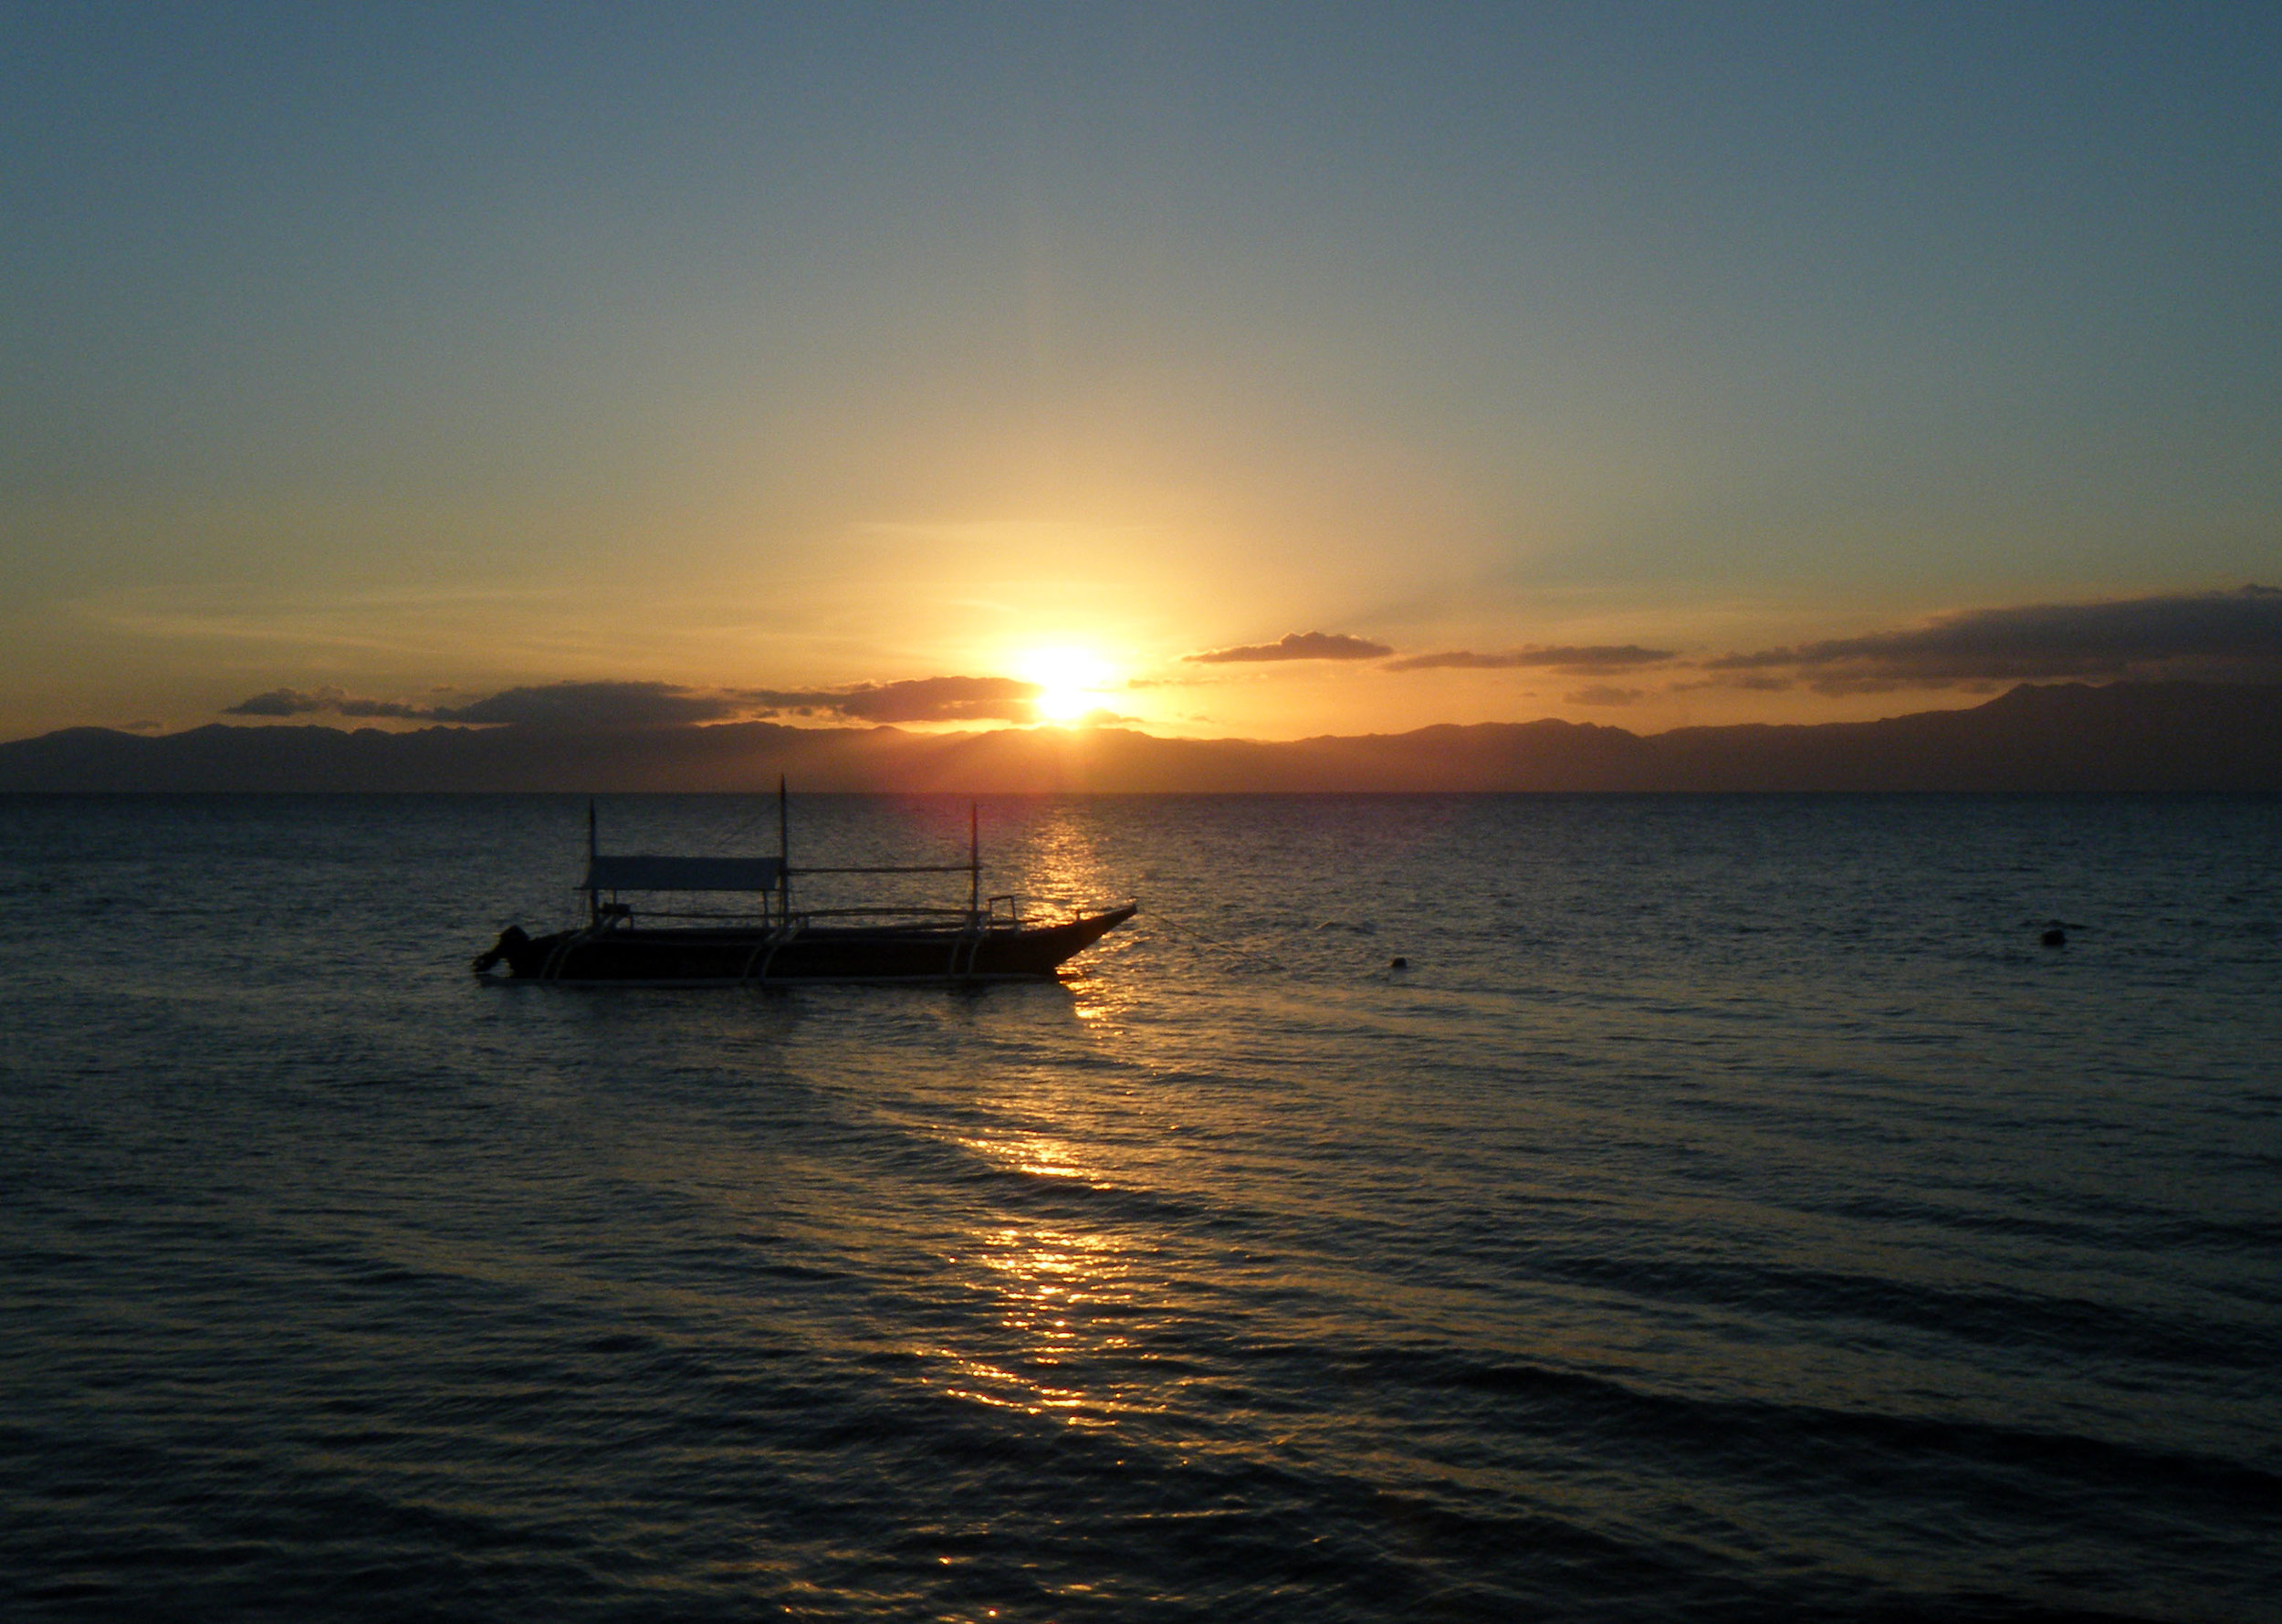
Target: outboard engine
[(510, 940)]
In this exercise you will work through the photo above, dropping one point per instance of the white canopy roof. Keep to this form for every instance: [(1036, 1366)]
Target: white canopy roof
[(682, 874)]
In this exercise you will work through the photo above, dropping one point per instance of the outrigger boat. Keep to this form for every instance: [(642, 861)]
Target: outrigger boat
[(990, 939)]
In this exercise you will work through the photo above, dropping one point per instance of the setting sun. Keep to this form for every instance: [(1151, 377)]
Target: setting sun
[(1072, 681)]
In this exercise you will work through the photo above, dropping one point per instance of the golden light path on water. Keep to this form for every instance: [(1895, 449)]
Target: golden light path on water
[(1045, 1275), (1065, 1296)]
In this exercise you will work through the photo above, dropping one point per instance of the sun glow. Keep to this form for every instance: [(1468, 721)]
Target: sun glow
[(1072, 682)]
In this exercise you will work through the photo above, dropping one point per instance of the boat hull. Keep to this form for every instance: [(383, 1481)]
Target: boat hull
[(900, 954)]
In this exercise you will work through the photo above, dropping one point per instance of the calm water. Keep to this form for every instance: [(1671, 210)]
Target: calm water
[(1732, 1213)]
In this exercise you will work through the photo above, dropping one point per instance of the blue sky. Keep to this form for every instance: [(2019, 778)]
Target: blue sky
[(424, 352)]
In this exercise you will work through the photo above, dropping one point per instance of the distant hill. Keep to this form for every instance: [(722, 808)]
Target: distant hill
[(2122, 736)]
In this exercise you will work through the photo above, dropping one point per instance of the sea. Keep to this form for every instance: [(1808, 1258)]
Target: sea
[(1686, 1208)]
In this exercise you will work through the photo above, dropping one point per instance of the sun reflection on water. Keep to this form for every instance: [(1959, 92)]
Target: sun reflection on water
[(1065, 1297), (1062, 866)]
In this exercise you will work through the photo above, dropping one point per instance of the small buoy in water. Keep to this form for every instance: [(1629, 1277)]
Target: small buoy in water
[(2056, 938), (1399, 964)]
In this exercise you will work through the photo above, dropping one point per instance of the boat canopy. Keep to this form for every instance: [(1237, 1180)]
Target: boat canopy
[(682, 873)]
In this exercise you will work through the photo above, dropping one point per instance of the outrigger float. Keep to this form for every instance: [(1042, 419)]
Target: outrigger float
[(990, 939)]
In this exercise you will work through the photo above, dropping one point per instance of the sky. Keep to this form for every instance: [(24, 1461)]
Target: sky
[(1249, 370)]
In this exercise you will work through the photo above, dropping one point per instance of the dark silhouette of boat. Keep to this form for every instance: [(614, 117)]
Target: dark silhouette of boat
[(990, 939)]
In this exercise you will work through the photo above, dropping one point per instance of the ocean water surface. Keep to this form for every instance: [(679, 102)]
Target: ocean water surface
[(1732, 1212)]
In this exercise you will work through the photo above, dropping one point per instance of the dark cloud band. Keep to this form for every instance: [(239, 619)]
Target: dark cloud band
[(285, 702), (2227, 636), (921, 699), (572, 706)]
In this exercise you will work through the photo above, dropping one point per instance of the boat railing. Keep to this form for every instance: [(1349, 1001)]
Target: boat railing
[(888, 868), (620, 913), (889, 911), (1008, 909), (1001, 912)]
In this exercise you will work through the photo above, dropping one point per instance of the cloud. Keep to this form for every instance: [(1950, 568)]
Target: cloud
[(1601, 693), (1296, 645), (285, 702), (1575, 660), (1754, 681), (575, 706), (657, 704), (2219, 636), (921, 699), (388, 707), (582, 705), (554, 705)]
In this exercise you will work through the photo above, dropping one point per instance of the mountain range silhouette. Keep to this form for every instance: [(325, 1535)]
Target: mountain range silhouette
[(2121, 737)]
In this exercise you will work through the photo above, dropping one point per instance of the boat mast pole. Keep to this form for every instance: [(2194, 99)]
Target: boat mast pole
[(784, 858), (974, 860), (594, 892)]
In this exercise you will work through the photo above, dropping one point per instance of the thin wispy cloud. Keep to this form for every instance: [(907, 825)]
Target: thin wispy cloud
[(1296, 645), (580, 705), (1576, 659), (429, 626)]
